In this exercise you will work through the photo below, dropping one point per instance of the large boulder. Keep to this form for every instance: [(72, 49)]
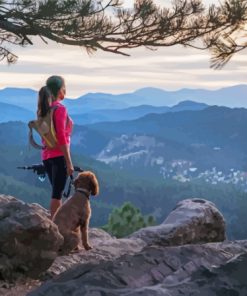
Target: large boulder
[(212, 269), (29, 241), (192, 221)]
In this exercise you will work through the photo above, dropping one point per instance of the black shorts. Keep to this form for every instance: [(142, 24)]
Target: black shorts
[(57, 174)]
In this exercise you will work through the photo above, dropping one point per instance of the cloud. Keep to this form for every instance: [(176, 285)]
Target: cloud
[(166, 68)]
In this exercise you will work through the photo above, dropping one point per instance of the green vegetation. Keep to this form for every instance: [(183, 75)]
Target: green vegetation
[(20, 190), (153, 196), (126, 220)]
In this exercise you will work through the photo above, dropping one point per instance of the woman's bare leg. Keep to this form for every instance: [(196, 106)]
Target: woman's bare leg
[(54, 206)]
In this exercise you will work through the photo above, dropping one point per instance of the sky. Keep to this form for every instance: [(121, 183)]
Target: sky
[(169, 68)]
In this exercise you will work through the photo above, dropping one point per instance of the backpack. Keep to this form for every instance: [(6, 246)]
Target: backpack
[(44, 126)]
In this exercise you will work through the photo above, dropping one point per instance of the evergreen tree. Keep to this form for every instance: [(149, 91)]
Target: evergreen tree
[(126, 220), (110, 27)]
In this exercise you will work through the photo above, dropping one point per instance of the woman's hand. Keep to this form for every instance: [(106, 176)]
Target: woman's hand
[(70, 169)]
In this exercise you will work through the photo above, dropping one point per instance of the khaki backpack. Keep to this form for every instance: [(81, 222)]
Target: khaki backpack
[(44, 126)]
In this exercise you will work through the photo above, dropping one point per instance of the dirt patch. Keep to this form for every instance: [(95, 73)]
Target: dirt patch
[(20, 288)]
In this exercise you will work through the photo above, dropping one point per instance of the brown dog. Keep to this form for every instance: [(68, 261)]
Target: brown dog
[(73, 217)]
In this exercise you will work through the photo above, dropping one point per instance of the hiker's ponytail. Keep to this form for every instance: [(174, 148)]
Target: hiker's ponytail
[(44, 101)]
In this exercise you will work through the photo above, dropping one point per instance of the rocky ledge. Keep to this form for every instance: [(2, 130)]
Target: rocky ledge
[(187, 254)]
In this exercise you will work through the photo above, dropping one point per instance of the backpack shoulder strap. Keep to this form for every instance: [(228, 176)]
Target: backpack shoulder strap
[(30, 136), (53, 109)]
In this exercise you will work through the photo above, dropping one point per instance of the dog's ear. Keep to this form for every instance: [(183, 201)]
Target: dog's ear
[(94, 185)]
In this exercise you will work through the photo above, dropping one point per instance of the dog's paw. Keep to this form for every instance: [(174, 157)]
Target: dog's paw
[(87, 247), (77, 249)]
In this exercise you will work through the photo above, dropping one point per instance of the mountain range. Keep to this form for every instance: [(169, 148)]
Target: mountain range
[(213, 137), (204, 139), (146, 139), (143, 157), (234, 96), (132, 112), (9, 112)]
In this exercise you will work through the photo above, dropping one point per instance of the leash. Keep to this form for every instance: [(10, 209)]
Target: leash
[(66, 192)]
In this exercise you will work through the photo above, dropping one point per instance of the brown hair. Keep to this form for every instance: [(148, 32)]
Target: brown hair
[(44, 101), (49, 93)]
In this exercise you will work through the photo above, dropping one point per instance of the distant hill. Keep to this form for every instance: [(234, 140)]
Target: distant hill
[(215, 136), (21, 97), (212, 125), (133, 112), (14, 133), (137, 160), (188, 106), (116, 115), (94, 101), (9, 112), (234, 96)]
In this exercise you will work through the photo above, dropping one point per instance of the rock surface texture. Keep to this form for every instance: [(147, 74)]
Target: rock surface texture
[(185, 255), (29, 241), (206, 270)]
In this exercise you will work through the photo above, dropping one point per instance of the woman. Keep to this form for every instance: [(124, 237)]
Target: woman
[(57, 161)]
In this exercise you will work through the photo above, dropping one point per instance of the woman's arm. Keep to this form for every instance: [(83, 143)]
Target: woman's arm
[(66, 152), (60, 118)]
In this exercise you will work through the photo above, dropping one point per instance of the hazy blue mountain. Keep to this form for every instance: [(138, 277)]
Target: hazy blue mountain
[(211, 124), (116, 115), (14, 133), (155, 96), (22, 97), (10, 112), (27, 98), (133, 112), (209, 139), (213, 137), (90, 104), (234, 96), (94, 101), (188, 106)]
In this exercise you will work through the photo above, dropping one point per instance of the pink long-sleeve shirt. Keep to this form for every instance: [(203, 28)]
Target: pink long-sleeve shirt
[(63, 126)]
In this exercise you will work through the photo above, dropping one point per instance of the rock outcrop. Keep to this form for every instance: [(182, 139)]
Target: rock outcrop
[(182, 256), (29, 241), (192, 221), (207, 269)]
